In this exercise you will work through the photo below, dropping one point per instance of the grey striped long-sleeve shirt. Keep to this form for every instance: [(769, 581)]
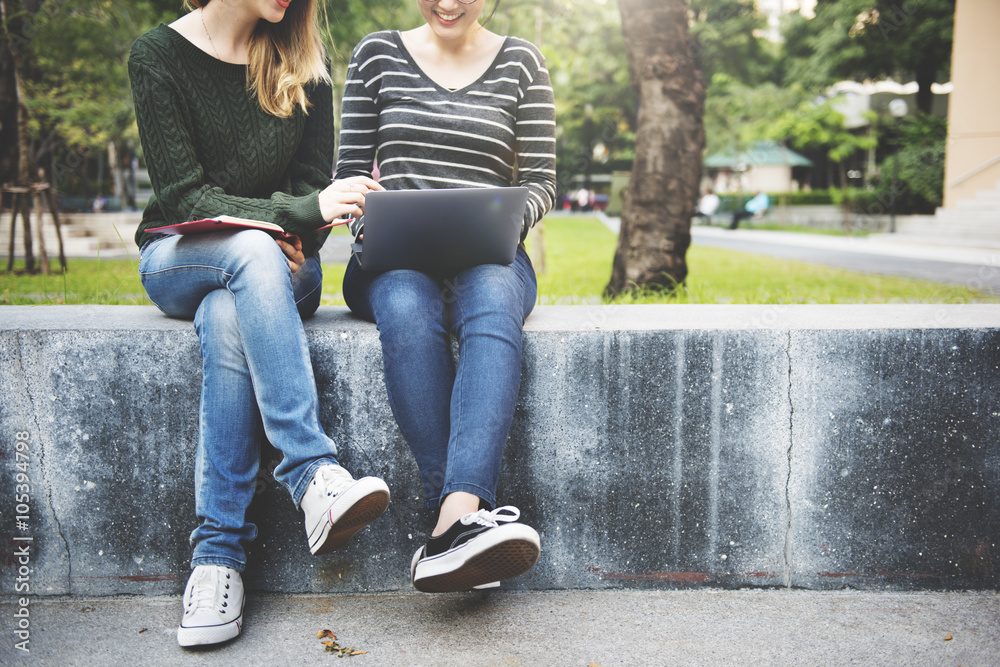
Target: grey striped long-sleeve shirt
[(498, 131)]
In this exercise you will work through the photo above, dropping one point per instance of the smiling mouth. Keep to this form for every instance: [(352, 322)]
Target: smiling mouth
[(448, 17)]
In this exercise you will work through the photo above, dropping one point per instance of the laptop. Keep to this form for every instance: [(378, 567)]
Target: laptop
[(440, 230)]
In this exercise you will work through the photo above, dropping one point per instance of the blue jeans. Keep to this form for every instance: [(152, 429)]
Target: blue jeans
[(257, 378), (454, 418)]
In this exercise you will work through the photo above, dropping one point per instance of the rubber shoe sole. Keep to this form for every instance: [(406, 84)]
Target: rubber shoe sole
[(366, 500), (213, 634), (501, 553)]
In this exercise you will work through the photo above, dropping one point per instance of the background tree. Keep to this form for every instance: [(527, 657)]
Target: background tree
[(656, 220), (738, 115), (864, 39), (71, 58), (727, 41), (18, 26), (345, 22), (818, 127), (585, 54), (919, 143)]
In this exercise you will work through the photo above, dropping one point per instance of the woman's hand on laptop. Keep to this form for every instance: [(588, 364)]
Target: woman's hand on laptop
[(346, 197)]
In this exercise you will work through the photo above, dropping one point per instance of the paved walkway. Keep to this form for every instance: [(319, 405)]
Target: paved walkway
[(898, 255), (701, 627)]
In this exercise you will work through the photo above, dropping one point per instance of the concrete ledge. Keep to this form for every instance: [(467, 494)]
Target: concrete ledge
[(819, 447)]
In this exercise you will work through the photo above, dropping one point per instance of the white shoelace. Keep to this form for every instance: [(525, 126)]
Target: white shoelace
[(492, 519), (334, 480), (207, 590)]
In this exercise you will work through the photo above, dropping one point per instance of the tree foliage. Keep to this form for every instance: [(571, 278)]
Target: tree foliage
[(346, 22), (817, 126), (738, 115), (585, 54), (727, 41), (920, 142), (71, 55), (872, 39)]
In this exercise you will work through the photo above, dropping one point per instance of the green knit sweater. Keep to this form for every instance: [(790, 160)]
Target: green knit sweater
[(211, 150)]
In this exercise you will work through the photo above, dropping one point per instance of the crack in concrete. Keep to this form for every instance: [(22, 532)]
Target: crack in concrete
[(787, 566), (29, 389)]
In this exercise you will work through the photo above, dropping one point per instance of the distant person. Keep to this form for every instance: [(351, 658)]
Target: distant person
[(583, 199), (754, 208), (707, 205)]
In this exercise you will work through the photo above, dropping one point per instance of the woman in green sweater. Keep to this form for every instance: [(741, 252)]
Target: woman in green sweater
[(234, 107)]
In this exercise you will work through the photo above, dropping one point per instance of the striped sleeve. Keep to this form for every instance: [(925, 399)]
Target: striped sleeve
[(359, 114), (535, 136)]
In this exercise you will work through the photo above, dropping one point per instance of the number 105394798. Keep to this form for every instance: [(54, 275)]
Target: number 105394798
[(22, 482)]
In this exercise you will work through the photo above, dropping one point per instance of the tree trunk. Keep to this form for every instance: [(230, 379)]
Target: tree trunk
[(16, 37), (9, 106), (925, 98), (663, 189)]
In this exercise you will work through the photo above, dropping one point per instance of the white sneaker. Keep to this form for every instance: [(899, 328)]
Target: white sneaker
[(213, 606), (337, 506), (476, 552)]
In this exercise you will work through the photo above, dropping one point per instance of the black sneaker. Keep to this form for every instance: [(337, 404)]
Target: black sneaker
[(476, 552)]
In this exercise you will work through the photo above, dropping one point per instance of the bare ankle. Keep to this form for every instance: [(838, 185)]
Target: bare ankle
[(455, 505)]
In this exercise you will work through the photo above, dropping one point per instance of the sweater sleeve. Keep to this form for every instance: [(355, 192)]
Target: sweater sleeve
[(311, 170), (535, 139), (182, 189)]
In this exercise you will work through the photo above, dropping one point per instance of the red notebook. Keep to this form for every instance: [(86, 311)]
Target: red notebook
[(224, 222)]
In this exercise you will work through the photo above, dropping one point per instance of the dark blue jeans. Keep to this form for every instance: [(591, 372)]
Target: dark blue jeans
[(455, 418)]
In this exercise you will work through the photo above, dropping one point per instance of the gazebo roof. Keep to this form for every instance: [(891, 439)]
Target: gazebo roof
[(763, 153)]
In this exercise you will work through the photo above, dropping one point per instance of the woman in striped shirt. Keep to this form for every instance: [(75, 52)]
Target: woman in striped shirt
[(449, 105)]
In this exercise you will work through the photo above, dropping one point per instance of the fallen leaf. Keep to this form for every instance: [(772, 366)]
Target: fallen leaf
[(948, 638), (332, 646)]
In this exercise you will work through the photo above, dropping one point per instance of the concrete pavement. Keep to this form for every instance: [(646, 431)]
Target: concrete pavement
[(761, 627)]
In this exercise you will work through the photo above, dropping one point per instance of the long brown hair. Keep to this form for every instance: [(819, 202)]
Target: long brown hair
[(284, 57)]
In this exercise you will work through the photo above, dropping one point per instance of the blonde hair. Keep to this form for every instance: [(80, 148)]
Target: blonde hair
[(284, 57)]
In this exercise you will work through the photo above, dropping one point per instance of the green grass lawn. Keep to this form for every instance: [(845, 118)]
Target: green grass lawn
[(578, 262), (578, 254)]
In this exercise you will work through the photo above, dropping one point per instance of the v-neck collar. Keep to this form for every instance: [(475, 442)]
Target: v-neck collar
[(420, 70)]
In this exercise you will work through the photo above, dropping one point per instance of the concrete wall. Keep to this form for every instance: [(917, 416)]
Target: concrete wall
[(653, 447)]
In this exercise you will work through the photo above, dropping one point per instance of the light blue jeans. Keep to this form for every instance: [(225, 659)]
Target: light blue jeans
[(257, 378), (455, 419)]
